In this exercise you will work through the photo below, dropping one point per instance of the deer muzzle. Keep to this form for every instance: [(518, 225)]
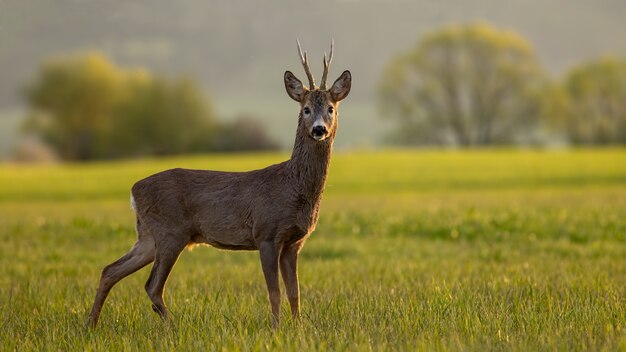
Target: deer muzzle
[(319, 132)]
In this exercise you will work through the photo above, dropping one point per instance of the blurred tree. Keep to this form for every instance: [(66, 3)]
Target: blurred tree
[(591, 108), (85, 107), (464, 85), (245, 133), (72, 100), (161, 117)]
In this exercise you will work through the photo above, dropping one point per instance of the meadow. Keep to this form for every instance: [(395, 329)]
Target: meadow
[(415, 250)]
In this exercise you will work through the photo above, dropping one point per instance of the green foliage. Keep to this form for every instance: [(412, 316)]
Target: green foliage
[(464, 85), (592, 105), (73, 100), (162, 117), (245, 133), (480, 250), (85, 107)]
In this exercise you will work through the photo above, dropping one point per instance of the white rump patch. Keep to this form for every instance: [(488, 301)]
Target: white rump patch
[(133, 206)]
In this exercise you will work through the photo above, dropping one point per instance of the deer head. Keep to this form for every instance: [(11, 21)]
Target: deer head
[(318, 105)]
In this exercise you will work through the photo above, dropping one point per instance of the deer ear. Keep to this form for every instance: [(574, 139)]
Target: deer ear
[(341, 87), (294, 87)]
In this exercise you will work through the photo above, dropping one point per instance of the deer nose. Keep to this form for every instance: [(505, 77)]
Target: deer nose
[(319, 131)]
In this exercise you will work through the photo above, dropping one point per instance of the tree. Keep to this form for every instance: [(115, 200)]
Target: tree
[(244, 133), (464, 85), (86, 107), (162, 117), (71, 103), (592, 108)]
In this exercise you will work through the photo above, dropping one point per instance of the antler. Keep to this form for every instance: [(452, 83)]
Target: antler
[(305, 63), (327, 64)]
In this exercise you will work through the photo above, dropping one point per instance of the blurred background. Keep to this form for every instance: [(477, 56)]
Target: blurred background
[(87, 79), (477, 200)]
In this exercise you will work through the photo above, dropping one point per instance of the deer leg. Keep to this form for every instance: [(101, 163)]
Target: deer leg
[(139, 256), (269, 262), (166, 257), (289, 270)]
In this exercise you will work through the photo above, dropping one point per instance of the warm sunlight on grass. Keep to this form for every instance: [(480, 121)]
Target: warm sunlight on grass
[(478, 250)]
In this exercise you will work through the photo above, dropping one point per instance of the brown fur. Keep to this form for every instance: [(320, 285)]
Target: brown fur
[(272, 210)]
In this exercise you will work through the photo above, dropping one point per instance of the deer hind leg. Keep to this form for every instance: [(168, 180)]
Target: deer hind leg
[(140, 255), (166, 256), (289, 270)]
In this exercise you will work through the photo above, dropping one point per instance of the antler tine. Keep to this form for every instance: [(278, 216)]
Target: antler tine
[(327, 64), (305, 64)]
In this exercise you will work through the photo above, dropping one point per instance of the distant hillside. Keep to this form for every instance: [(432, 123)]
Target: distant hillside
[(239, 49)]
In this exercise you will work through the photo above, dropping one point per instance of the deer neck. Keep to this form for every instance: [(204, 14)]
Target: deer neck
[(309, 164)]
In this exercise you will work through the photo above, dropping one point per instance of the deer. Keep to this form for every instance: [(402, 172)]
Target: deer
[(273, 210)]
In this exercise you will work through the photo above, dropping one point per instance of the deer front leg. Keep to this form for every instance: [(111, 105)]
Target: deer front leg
[(269, 262), (289, 270)]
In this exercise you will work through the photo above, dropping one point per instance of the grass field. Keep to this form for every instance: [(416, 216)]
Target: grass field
[(415, 250)]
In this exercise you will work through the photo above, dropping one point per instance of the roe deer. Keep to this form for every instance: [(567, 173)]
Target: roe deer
[(273, 209)]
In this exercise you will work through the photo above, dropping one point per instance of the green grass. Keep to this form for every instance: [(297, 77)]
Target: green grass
[(415, 250)]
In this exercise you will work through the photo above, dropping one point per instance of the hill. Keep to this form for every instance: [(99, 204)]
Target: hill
[(239, 49)]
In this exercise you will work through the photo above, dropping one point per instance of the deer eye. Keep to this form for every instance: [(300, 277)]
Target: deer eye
[(331, 110), (306, 111)]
